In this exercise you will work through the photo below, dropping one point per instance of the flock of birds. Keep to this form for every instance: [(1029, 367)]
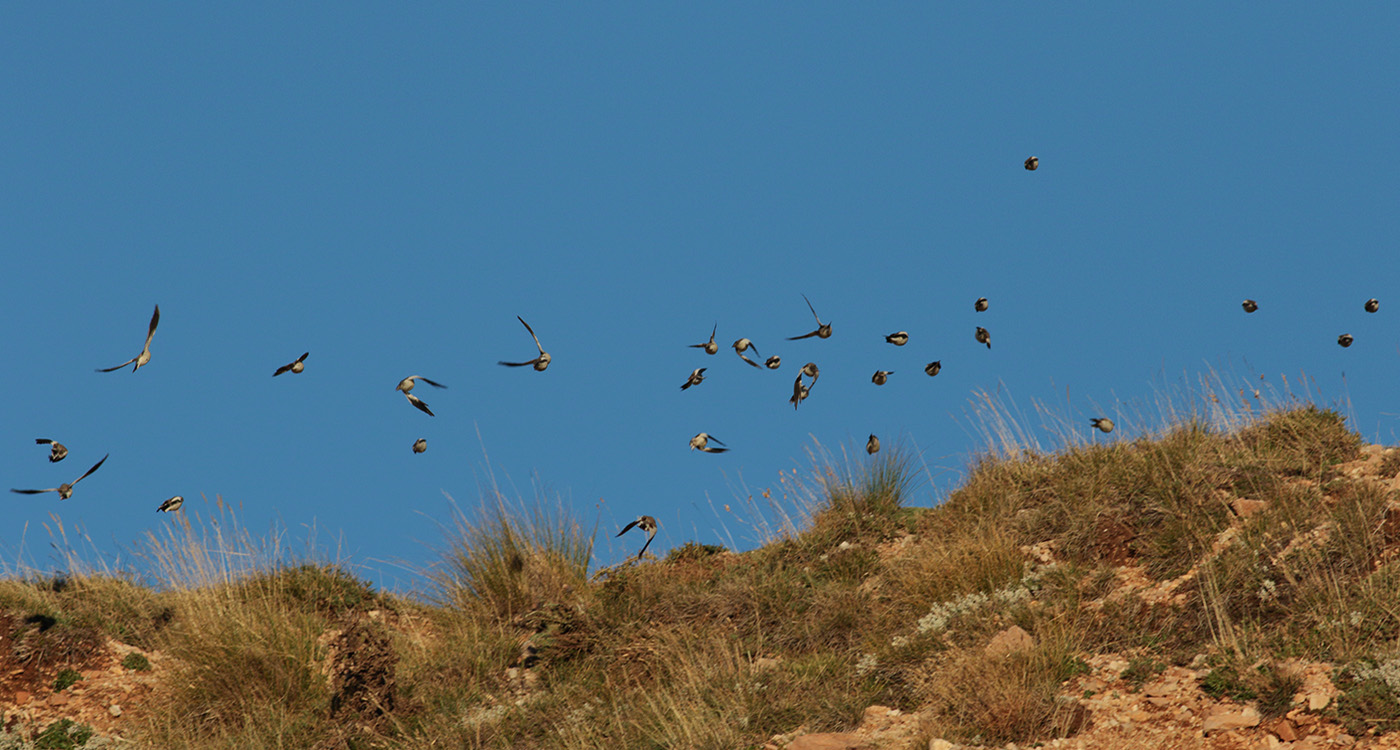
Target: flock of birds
[(703, 442)]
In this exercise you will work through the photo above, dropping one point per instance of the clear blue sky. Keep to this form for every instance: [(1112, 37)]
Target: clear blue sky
[(389, 186)]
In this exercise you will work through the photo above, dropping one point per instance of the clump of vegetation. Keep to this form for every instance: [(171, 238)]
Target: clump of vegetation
[(64, 734), (65, 679), (136, 662)]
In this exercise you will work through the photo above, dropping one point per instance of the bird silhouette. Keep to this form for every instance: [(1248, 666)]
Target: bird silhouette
[(145, 355), (645, 523), (881, 376), (697, 376), (1103, 424), (57, 451), (823, 329), (1373, 305), (743, 345), (898, 338), (1033, 163), (983, 337), (171, 505), (1345, 340), (774, 362), (872, 446), (933, 367), (295, 368), (540, 362), (65, 491), (980, 305), (1249, 305), (701, 443), (420, 445), (710, 346)]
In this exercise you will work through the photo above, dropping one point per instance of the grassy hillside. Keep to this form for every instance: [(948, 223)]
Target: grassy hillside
[(1238, 554)]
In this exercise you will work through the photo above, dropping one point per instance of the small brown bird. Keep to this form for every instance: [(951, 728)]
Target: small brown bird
[(645, 523), (823, 329), (419, 404), (65, 491), (407, 383), (1345, 340), (145, 355), (420, 445), (1249, 305), (697, 376), (56, 450), (983, 337), (799, 392), (743, 345), (881, 376), (701, 443), (540, 362), (1373, 305), (980, 305), (171, 505), (295, 368), (933, 367), (872, 446), (898, 338), (1103, 424), (811, 371), (1033, 163), (774, 362), (710, 346)]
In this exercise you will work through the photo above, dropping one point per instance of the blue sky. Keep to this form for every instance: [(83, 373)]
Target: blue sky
[(388, 188)]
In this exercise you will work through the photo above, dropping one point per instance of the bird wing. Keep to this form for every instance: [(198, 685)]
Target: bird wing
[(628, 527), (813, 309), (519, 364), (42, 441), (430, 382), (715, 439), (35, 492), (532, 333), (282, 369), (418, 404), (303, 357), (746, 359), (712, 332), (89, 471), (155, 321), (805, 335), (120, 366)]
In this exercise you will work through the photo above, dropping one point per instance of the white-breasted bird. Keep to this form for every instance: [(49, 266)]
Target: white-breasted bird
[(295, 368), (810, 370), (407, 384), (420, 445), (1373, 305), (697, 377), (145, 355), (980, 305), (710, 346), (881, 376), (1345, 340), (65, 491), (933, 367), (823, 329), (1102, 424), (774, 362), (983, 337), (743, 345), (645, 523), (1033, 163), (701, 443), (898, 338), (539, 362), (57, 451), (872, 446), (419, 404), (1249, 305), (171, 505)]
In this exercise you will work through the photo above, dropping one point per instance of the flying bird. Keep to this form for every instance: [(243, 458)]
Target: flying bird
[(1033, 163), (774, 362), (1249, 305), (171, 505), (1373, 305), (872, 446), (419, 404), (645, 523), (823, 329), (701, 443), (539, 362), (57, 452), (145, 355), (983, 337), (420, 445), (799, 392), (898, 338), (696, 377), (980, 305), (1103, 424), (1345, 340), (811, 371), (933, 367), (407, 383), (743, 345), (295, 368), (881, 376), (65, 491), (710, 346)]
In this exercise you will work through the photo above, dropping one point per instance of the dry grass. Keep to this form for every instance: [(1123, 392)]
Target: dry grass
[(856, 599)]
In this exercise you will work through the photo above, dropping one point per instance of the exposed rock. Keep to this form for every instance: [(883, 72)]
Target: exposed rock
[(58, 699), (1224, 718), (115, 710), (1285, 731), (1244, 508), (22, 697), (937, 744), (1013, 640), (828, 741)]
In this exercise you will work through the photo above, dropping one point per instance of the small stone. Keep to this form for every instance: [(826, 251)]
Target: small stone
[(939, 744), (1318, 700), (1160, 702), (115, 710), (1245, 508), (1013, 640), (828, 741), (1286, 731), (1159, 689), (1225, 718), (22, 697), (1344, 739), (58, 699), (765, 663)]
